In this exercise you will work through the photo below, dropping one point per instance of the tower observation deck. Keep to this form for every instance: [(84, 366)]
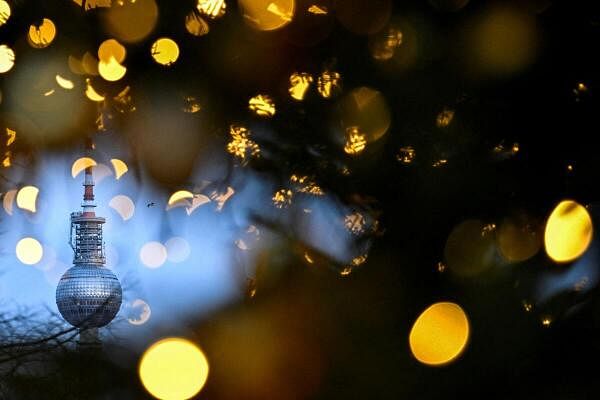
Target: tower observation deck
[(88, 295)]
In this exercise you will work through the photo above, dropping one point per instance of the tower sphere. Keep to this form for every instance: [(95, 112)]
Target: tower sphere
[(88, 296)]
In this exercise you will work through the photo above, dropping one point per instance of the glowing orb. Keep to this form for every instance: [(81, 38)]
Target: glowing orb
[(91, 93), (27, 197), (440, 334), (173, 368), (141, 311), (119, 166), (123, 205), (165, 51), (568, 231), (41, 36), (80, 164), (153, 254), (111, 48), (267, 15), (4, 12), (64, 82), (111, 70), (7, 58), (29, 251)]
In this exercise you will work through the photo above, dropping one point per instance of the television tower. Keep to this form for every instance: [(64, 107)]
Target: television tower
[(88, 295)]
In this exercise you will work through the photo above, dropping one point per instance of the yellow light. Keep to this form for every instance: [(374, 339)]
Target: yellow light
[(262, 105), (173, 369), (241, 145), (356, 142), (80, 164), (329, 83), (444, 118), (519, 238), (153, 254), (29, 251), (111, 70), (196, 25), (367, 110), (131, 21), (7, 58), (317, 10), (91, 93), (406, 155), (143, 312), (41, 36), (165, 51), (11, 136), (4, 12), (123, 205), (212, 8), (299, 84), (119, 166), (111, 48), (27, 197), (179, 198), (64, 83), (267, 15), (568, 231), (440, 334), (282, 198)]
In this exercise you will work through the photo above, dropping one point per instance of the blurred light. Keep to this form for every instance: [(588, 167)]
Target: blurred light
[(355, 223), (90, 64), (519, 238), (111, 48), (4, 12), (364, 17), (546, 322), (365, 109), (192, 105), (80, 164), (262, 105), (221, 198), (282, 198), (196, 25), (299, 84), (111, 70), (123, 102), (131, 21), (503, 40), (444, 118), (29, 251), (41, 36), (165, 51), (440, 266), (241, 145), (439, 163), (568, 231), (212, 8), (27, 197), (440, 334), (306, 184), (406, 155), (7, 58), (267, 15), (123, 205), (197, 201), (329, 84), (8, 200), (355, 141), (173, 369), (383, 45), (153, 254), (179, 198), (570, 168), (317, 10), (178, 249), (119, 166), (49, 93), (101, 171), (64, 83), (139, 312), (469, 251), (527, 306)]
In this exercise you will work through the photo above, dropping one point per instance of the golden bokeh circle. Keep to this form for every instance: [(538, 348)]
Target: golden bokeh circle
[(440, 334), (41, 36), (165, 51), (111, 48), (267, 15), (173, 369), (132, 21), (568, 231)]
